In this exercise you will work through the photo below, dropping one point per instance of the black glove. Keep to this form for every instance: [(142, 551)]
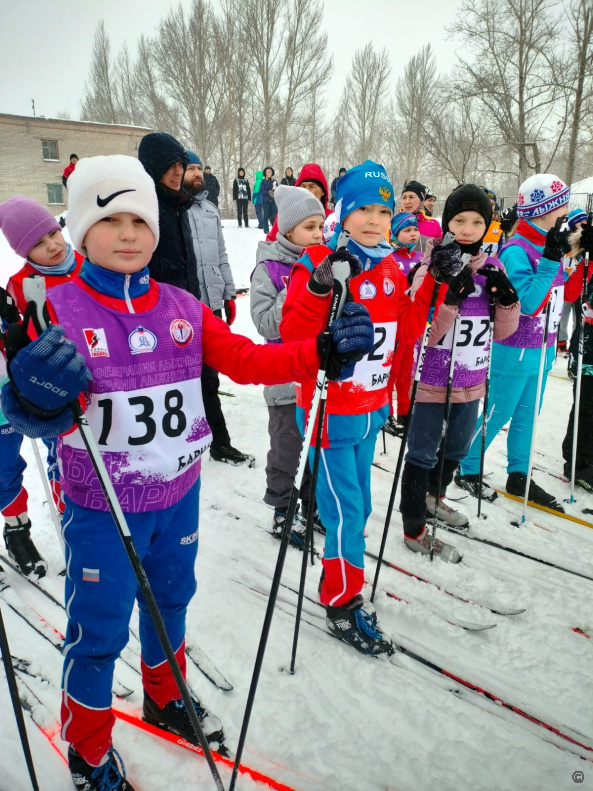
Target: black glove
[(508, 218), (445, 262), (499, 286), (586, 241), (557, 244), (460, 287), (322, 279), (352, 336), (9, 313)]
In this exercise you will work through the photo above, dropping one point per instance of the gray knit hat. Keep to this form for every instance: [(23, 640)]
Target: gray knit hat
[(295, 204)]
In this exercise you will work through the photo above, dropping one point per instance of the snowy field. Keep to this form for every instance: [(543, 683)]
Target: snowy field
[(345, 722)]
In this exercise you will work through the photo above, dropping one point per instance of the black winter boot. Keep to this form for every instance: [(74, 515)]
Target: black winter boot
[(516, 483), (20, 546), (358, 628), (230, 455), (297, 534), (110, 776), (174, 718)]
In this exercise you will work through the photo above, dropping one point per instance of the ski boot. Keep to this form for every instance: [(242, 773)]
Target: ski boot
[(358, 628), (317, 523), (297, 534), (174, 718), (230, 455), (20, 546), (111, 774), (471, 484), (516, 483), (423, 542), (448, 516)]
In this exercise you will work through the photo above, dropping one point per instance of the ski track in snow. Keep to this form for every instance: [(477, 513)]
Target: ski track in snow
[(344, 721)]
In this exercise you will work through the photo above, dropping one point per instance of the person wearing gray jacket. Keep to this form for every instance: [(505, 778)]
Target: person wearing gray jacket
[(217, 291), (300, 224)]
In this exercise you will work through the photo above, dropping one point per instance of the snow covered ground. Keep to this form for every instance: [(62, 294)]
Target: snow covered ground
[(344, 721)]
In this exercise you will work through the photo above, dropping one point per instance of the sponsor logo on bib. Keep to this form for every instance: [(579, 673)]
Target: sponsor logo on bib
[(142, 341), (368, 290), (96, 342), (182, 332), (388, 286)]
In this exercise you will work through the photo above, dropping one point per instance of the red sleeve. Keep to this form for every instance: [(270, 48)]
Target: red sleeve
[(412, 315), (304, 314), (573, 288), (246, 362), (15, 289)]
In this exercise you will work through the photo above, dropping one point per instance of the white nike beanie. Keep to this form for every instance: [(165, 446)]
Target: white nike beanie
[(102, 186)]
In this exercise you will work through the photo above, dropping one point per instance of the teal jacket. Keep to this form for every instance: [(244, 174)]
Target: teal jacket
[(532, 290)]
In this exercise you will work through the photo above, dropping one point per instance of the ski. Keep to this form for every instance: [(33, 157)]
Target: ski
[(492, 606), (197, 656), (546, 509), (28, 614), (466, 685), (229, 395)]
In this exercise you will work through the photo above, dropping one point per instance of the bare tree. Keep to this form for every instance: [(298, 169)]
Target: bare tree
[(513, 73), (363, 101), (579, 66), (98, 103)]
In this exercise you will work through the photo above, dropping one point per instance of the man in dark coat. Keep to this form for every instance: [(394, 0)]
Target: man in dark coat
[(174, 260), (212, 185), (334, 186)]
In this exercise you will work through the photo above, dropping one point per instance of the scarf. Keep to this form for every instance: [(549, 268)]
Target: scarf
[(66, 266)]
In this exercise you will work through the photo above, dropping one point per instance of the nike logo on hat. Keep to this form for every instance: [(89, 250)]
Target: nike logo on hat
[(102, 202)]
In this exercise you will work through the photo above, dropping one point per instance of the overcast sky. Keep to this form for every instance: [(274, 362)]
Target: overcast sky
[(45, 45)]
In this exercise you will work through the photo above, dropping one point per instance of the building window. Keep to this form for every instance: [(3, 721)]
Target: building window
[(55, 194), (50, 149)]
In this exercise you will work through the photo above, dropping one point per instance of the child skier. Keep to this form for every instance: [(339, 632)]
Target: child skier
[(300, 224), (34, 234), (358, 406), (467, 214), (582, 241), (493, 239), (533, 260), (131, 349), (404, 238)]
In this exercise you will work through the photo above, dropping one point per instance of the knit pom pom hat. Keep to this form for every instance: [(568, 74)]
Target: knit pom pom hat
[(23, 222), (363, 185), (295, 204), (541, 194), (102, 186), (401, 220)]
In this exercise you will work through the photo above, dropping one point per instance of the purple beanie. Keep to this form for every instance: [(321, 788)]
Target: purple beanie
[(23, 222)]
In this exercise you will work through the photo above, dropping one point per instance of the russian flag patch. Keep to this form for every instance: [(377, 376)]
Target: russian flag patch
[(90, 575)]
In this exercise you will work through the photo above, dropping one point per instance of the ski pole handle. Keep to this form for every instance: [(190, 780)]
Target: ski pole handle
[(34, 293)]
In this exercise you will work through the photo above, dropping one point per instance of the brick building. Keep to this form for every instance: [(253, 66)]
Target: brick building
[(34, 152)]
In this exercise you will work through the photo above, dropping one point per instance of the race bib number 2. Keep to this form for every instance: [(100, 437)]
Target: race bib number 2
[(372, 372)]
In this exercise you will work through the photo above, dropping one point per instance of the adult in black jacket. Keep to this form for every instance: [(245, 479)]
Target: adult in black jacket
[(289, 179), (174, 260), (212, 185), (242, 196), (334, 186)]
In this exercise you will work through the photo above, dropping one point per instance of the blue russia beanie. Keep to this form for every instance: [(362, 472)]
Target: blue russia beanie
[(363, 185), (575, 217), (193, 159), (402, 220)]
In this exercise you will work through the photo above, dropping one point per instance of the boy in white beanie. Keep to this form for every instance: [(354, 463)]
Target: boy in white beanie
[(300, 225), (130, 350), (533, 263)]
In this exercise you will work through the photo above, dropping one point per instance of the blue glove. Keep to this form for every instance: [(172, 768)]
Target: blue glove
[(49, 373), (25, 423), (352, 336)]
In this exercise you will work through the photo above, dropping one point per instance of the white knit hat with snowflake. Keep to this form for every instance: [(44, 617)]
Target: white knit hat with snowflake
[(541, 194)]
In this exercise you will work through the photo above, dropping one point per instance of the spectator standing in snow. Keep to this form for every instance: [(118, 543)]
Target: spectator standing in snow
[(69, 169), (217, 291), (212, 185), (334, 186), (242, 196), (267, 187), (312, 179), (289, 179), (257, 199)]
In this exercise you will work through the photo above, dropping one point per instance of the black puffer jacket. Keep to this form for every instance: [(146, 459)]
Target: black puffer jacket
[(174, 260)]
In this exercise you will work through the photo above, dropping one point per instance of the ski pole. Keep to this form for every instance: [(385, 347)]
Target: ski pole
[(540, 379), (449, 238), (50, 500), (341, 272), (35, 287), (16, 703), (577, 392), (486, 399), (445, 427), (404, 442)]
